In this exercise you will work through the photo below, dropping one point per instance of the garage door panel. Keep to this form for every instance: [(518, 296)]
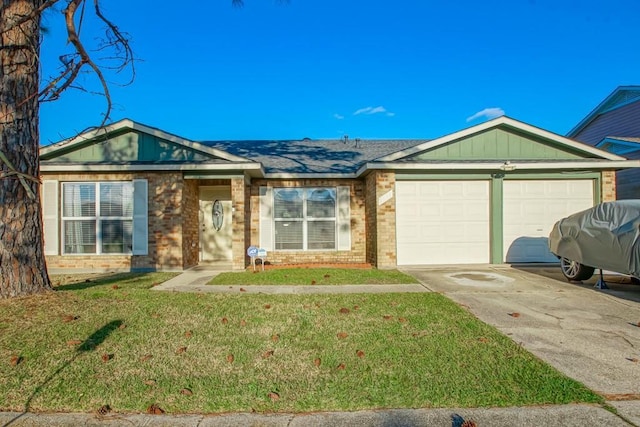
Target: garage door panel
[(442, 222), (531, 208)]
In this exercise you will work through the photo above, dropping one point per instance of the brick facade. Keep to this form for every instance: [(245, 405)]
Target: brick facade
[(358, 228), (381, 219), (608, 186)]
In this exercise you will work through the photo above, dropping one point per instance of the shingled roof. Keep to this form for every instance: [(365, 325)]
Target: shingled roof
[(312, 156)]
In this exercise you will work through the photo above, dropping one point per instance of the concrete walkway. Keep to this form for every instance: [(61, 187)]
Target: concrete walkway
[(196, 281), (617, 413)]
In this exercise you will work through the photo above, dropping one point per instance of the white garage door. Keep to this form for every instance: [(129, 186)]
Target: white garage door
[(530, 210), (442, 222)]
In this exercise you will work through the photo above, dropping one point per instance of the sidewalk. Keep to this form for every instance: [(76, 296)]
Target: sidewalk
[(535, 416)]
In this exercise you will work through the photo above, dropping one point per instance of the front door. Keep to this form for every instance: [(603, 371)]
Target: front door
[(215, 223)]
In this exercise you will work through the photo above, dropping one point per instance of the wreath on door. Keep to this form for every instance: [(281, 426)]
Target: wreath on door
[(218, 215)]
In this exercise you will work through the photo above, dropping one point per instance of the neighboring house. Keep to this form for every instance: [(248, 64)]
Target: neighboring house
[(614, 126), (132, 197)]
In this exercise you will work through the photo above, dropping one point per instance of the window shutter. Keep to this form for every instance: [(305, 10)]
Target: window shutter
[(140, 221), (344, 218), (50, 217), (266, 218)]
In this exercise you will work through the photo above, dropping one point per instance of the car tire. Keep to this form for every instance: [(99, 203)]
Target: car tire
[(575, 271)]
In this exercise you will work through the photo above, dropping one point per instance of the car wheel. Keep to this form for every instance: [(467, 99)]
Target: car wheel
[(573, 270)]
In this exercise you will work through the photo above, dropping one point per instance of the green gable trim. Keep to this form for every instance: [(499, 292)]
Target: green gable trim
[(500, 144), (130, 146)]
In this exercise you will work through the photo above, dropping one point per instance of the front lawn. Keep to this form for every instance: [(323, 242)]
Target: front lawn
[(313, 276), (112, 342)]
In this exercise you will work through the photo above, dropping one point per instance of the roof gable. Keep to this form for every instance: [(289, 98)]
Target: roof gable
[(621, 96), (130, 142), (496, 144), (500, 139)]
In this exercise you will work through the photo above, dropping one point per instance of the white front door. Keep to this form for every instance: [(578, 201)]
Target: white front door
[(532, 207), (215, 227), (442, 222)]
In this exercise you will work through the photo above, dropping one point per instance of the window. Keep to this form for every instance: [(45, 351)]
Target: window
[(97, 218), (304, 218)]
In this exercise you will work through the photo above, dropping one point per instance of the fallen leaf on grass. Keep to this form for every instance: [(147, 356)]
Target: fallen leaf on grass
[(342, 335), (313, 282), (150, 382), (15, 360), (74, 342), (122, 326), (104, 410), (188, 334), (344, 310), (186, 392), (225, 321), (106, 357), (387, 317), (155, 410), (115, 287), (181, 350), (274, 396), (267, 354), (360, 354), (483, 339), (69, 318), (275, 337), (355, 307), (514, 314), (230, 358), (267, 306), (146, 357), (317, 361), (341, 367), (243, 322), (402, 320)]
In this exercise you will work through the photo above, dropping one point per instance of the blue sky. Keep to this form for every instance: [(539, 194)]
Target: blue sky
[(368, 69)]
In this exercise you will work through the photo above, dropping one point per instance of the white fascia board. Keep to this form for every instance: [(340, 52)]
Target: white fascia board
[(188, 143), (502, 120), (85, 136), (130, 124), (151, 168), (311, 176), (501, 166)]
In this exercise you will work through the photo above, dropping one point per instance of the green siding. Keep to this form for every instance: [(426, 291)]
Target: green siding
[(499, 144), (131, 147)]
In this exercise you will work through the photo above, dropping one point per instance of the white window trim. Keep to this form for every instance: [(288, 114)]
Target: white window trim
[(97, 218), (305, 220)]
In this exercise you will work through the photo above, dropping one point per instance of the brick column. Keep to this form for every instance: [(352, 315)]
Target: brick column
[(608, 186), (381, 220), (238, 202)]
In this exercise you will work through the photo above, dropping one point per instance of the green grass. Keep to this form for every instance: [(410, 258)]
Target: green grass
[(418, 350), (313, 276)]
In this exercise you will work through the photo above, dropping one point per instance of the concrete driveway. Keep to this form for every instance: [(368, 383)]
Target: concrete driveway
[(590, 335)]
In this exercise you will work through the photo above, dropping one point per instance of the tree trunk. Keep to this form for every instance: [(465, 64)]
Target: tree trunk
[(23, 269)]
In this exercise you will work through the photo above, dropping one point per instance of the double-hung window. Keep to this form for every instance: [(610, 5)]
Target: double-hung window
[(97, 217), (304, 218)]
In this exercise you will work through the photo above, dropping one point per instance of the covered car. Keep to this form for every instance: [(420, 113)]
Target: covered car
[(605, 237)]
